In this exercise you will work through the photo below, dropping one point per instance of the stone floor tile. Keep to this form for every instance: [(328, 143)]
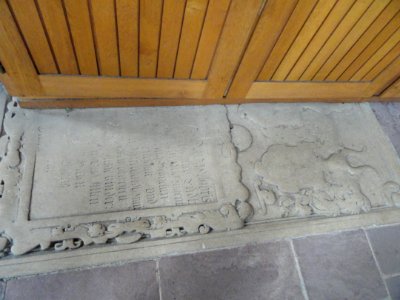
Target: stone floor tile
[(264, 271), (339, 266), (393, 284), (385, 242), (388, 115), (2, 289), (130, 281)]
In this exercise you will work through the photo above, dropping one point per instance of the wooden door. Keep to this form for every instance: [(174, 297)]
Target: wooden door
[(144, 49), (327, 50)]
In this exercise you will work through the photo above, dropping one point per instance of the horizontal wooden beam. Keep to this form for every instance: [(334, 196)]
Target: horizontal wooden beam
[(126, 102), (62, 86), (309, 90)]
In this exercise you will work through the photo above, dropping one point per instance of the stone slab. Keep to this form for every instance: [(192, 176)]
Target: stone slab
[(3, 100), (388, 115), (339, 266), (393, 284), (385, 242), (130, 281), (136, 183), (300, 160), (251, 272)]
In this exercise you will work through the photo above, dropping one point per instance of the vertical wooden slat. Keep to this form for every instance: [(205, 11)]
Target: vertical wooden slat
[(239, 23), (379, 54), (213, 23), (358, 9), (32, 30), (150, 21), (128, 36), (170, 32), (294, 25), (377, 42), (393, 91), (57, 29), (191, 29), (15, 57), (373, 30), (359, 28), (273, 19), (329, 25), (309, 29), (82, 35), (386, 78), (383, 63), (105, 30)]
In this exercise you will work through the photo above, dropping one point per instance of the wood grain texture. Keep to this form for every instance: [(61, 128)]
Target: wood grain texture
[(173, 11), (381, 52), (84, 87), (56, 26), (329, 25), (193, 20), (393, 91), (376, 27), (386, 78), (376, 43), (308, 90), (359, 28), (29, 22), (128, 36), (292, 28), (213, 24), (150, 23), (383, 63), (239, 24), (82, 36), (347, 23), (304, 37), (105, 32), (21, 74), (128, 102), (273, 19)]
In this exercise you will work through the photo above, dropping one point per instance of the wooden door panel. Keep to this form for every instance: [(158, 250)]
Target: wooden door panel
[(221, 51), (313, 62)]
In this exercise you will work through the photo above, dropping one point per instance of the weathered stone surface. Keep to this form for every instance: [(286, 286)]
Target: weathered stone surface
[(393, 284), (114, 177), (385, 242), (314, 159), (388, 115), (119, 175), (3, 100), (339, 266), (130, 281), (252, 272)]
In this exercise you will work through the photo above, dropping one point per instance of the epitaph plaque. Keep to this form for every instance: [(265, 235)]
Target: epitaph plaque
[(118, 175)]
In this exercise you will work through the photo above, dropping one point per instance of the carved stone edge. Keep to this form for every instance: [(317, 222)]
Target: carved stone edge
[(18, 236)]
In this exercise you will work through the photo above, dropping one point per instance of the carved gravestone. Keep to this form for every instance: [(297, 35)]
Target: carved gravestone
[(101, 176), (302, 160)]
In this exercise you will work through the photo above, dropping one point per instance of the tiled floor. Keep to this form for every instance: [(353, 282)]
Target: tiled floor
[(359, 264), (332, 266)]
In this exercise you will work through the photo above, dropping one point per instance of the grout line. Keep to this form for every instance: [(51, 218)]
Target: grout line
[(296, 261), (158, 276), (377, 263)]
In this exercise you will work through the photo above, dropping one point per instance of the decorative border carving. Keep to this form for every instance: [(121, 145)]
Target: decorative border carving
[(19, 235)]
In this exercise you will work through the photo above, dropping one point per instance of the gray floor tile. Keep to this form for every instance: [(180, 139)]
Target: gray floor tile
[(253, 272), (2, 290), (388, 115), (385, 242), (130, 281), (339, 266), (393, 284)]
